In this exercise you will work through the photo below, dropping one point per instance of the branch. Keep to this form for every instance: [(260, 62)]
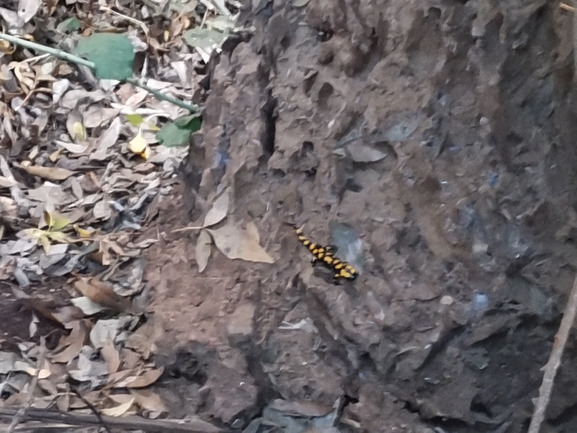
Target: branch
[(48, 50), (80, 61), (128, 422), (554, 361)]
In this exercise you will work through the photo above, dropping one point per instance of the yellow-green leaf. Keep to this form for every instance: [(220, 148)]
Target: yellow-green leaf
[(135, 119), (55, 222)]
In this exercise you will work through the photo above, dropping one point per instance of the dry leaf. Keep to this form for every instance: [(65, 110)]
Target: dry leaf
[(237, 243), (74, 126), (139, 146), (102, 294), (148, 378), (87, 306), (363, 153), (111, 356), (148, 400), (114, 378), (218, 211), (203, 248), (50, 173), (118, 410), (72, 343), (103, 331), (7, 182)]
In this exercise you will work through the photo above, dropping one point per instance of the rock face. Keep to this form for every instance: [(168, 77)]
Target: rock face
[(443, 135)]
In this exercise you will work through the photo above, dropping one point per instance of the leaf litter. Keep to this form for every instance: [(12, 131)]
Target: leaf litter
[(83, 167)]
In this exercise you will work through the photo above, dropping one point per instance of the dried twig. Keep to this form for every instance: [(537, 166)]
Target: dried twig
[(554, 361), (567, 7), (19, 416), (125, 423)]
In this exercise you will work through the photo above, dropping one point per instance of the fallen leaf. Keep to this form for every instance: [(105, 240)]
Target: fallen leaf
[(142, 381), (203, 249), (237, 243), (55, 221), (7, 183), (50, 173), (135, 119), (118, 410), (148, 400), (102, 294), (103, 331), (144, 339), (87, 306), (72, 147), (89, 368), (363, 153), (102, 210), (218, 211), (72, 343), (139, 146), (75, 127), (111, 356)]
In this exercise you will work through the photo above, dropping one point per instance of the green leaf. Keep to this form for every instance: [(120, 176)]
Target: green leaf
[(69, 25), (112, 55), (135, 119), (178, 133)]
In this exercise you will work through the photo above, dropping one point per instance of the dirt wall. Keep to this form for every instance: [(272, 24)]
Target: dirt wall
[(442, 133)]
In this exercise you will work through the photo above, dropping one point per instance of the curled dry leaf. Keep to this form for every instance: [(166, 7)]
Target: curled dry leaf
[(148, 400), (142, 381), (363, 153), (87, 306), (111, 356), (218, 211), (75, 127), (70, 346), (118, 410), (139, 146), (102, 294), (50, 173), (238, 243), (203, 248), (103, 331)]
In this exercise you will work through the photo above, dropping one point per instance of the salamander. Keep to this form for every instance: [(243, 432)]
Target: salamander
[(326, 255)]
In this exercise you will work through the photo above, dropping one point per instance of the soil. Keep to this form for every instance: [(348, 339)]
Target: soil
[(442, 135)]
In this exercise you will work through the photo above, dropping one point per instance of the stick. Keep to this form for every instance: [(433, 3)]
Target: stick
[(554, 361), (574, 44), (80, 61), (128, 422)]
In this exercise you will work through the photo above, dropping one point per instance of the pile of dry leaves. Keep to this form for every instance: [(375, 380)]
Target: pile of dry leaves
[(80, 165)]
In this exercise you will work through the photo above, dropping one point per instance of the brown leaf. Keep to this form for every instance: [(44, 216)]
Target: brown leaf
[(102, 294), (111, 356), (73, 343), (50, 173), (115, 378), (148, 400), (148, 378), (118, 410), (74, 126), (237, 243), (203, 248), (218, 211)]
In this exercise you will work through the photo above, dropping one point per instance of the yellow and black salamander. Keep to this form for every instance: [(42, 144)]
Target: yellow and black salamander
[(325, 254)]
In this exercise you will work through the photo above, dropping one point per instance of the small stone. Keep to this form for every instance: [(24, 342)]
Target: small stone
[(447, 300), (240, 322)]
